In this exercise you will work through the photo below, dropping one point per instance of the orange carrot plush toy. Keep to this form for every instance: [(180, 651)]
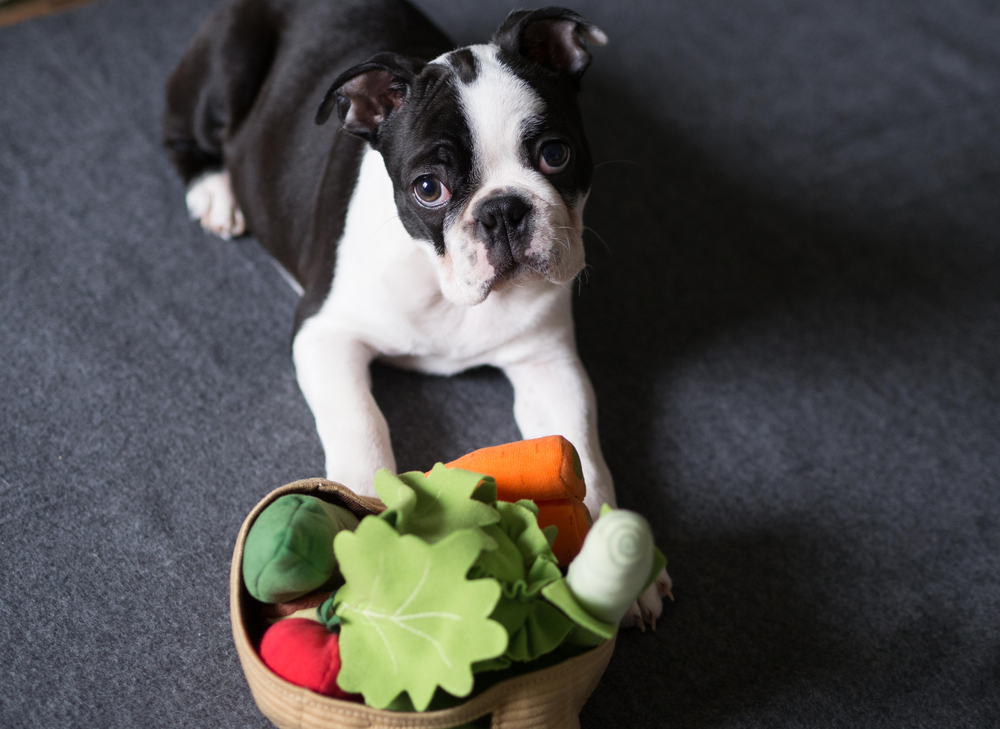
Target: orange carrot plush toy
[(547, 471)]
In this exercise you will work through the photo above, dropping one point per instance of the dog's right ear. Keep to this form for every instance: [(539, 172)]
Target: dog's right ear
[(368, 93)]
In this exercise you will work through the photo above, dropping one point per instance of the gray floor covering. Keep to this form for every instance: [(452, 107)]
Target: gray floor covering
[(791, 317)]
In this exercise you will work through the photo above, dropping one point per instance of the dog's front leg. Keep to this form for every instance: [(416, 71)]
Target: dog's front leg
[(553, 396), (332, 369)]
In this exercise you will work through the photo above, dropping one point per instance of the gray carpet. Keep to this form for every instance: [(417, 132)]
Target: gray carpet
[(792, 320)]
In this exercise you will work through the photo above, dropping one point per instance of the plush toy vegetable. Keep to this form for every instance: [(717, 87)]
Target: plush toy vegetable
[(548, 472), (289, 549), (614, 564), (449, 582), (274, 612), (458, 576), (410, 619), (305, 653)]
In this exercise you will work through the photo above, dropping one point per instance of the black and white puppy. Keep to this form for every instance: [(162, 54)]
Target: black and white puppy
[(440, 228)]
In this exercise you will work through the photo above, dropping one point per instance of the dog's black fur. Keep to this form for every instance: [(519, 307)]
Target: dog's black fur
[(246, 93), (244, 96)]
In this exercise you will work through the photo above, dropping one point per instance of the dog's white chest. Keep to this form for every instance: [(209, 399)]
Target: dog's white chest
[(386, 291)]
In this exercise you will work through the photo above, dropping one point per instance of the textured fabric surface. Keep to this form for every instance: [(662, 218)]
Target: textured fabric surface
[(791, 317)]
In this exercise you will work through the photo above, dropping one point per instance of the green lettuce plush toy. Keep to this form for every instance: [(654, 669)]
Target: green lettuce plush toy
[(448, 583)]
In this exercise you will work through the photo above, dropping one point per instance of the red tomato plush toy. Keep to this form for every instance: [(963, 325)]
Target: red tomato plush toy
[(305, 653)]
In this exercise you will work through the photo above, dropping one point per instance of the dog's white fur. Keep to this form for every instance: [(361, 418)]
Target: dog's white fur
[(499, 107), (386, 301), (394, 298)]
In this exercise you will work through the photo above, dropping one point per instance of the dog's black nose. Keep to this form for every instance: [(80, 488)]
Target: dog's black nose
[(508, 209), (505, 224)]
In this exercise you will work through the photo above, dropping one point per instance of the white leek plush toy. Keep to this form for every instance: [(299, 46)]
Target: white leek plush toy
[(614, 564)]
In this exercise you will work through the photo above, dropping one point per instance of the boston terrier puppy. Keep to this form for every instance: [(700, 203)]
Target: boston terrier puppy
[(438, 228)]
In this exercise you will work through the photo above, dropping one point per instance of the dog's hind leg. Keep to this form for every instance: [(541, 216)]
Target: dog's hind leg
[(211, 202), (208, 96)]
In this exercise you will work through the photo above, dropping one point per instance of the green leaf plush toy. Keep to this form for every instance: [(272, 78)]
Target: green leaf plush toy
[(448, 582), (410, 620)]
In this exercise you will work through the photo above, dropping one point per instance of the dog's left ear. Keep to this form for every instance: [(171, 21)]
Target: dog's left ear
[(368, 93), (555, 38)]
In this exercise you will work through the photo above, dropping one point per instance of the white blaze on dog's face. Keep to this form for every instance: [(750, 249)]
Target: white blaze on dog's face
[(517, 219), (486, 150)]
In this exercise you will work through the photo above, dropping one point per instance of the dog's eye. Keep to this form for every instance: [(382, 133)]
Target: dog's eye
[(553, 158), (430, 191)]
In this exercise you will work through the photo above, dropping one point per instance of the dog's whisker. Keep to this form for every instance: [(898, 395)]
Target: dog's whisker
[(599, 237), (386, 222), (548, 204), (615, 161)]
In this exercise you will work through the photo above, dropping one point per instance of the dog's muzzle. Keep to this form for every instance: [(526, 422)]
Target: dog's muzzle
[(505, 224)]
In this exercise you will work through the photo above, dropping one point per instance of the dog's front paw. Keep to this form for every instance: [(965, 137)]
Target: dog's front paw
[(649, 606), (210, 201)]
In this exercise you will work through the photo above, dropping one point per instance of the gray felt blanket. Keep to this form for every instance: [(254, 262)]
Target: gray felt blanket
[(791, 317)]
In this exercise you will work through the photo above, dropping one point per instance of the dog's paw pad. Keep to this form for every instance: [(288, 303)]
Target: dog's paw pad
[(210, 201)]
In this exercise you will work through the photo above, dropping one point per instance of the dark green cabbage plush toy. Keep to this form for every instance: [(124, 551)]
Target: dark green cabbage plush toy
[(289, 550)]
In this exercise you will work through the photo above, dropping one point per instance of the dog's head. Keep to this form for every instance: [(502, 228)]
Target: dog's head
[(485, 148)]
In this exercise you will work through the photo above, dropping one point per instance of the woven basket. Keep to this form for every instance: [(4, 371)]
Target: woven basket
[(550, 698)]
